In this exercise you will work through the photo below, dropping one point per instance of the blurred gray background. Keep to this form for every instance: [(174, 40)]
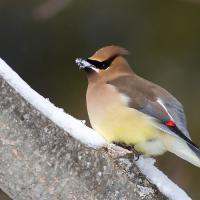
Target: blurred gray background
[(40, 39)]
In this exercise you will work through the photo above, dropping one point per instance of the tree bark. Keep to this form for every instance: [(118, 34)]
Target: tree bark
[(38, 160)]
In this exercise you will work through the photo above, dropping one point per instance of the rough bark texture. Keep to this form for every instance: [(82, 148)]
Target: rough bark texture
[(38, 160)]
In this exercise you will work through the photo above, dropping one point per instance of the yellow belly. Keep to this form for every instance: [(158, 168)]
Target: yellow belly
[(123, 124)]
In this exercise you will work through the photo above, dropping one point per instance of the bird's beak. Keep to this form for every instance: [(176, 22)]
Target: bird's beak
[(82, 63)]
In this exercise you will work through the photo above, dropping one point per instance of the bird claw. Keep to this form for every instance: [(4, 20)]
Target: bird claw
[(136, 154), (116, 151), (136, 157), (119, 150)]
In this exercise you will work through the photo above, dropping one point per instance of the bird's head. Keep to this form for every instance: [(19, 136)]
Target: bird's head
[(105, 62)]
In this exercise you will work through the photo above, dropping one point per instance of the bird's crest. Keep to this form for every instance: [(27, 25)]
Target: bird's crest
[(108, 52)]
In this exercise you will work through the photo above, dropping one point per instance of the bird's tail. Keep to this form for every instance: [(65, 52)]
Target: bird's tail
[(186, 150)]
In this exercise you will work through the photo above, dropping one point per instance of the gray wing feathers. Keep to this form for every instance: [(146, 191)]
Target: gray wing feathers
[(175, 109), (144, 95)]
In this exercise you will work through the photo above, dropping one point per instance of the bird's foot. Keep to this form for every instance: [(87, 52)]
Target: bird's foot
[(116, 151), (121, 150), (136, 156), (130, 148)]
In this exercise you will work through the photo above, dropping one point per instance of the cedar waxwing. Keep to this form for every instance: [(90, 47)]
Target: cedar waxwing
[(125, 108)]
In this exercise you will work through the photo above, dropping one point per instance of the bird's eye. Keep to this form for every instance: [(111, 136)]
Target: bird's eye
[(101, 65)]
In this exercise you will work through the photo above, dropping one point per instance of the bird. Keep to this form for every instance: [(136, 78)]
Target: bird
[(129, 110)]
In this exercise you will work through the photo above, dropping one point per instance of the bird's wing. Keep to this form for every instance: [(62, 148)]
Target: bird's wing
[(154, 101)]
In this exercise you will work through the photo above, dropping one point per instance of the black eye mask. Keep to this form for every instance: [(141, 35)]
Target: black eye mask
[(101, 65)]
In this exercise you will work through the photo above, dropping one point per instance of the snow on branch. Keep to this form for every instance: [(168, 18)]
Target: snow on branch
[(40, 161), (165, 185), (57, 115)]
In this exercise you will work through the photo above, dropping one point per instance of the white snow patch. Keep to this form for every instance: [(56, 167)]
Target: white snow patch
[(83, 64), (74, 127), (164, 184), (86, 135)]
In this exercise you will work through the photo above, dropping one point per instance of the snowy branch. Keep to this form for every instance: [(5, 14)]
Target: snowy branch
[(48, 154)]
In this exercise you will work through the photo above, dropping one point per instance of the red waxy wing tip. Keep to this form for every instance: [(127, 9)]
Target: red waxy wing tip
[(170, 123)]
